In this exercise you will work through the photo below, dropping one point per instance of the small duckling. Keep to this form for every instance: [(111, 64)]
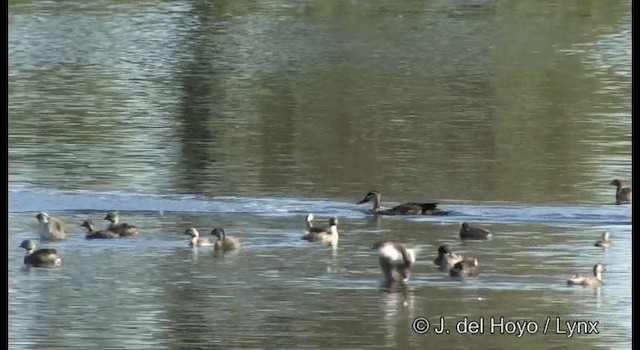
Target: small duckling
[(122, 229), (465, 268), (93, 234), (469, 232), (623, 191), (605, 242), (225, 243), (196, 240), (587, 280), (446, 257), (50, 227), (41, 257), (396, 260), (327, 234)]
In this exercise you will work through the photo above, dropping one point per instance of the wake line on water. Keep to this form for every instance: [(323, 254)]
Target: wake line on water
[(29, 201)]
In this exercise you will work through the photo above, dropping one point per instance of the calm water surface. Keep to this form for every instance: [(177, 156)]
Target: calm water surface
[(245, 115)]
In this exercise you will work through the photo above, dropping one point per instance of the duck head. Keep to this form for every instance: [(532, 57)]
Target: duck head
[(88, 224), (218, 232), (371, 196), (28, 245), (192, 232), (444, 249), (113, 217), (43, 218)]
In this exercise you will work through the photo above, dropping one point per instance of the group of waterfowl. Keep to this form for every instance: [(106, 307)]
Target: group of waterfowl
[(51, 228), (116, 229), (396, 259)]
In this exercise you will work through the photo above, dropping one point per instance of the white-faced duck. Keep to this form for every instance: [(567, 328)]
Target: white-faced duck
[(309, 219), (50, 227), (324, 234), (594, 280), (623, 191), (93, 234), (121, 228), (605, 241), (196, 240), (396, 260), (446, 258), (225, 243), (411, 208), (41, 257), (465, 268), (469, 232)]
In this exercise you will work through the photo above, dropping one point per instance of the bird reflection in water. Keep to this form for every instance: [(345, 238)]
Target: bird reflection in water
[(398, 308)]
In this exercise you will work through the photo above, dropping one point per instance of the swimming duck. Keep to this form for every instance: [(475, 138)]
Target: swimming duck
[(605, 242), (588, 281), (196, 240), (469, 232), (446, 257), (410, 208), (50, 227), (325, 234), (465, 268), (225, 243), (396, 260), (122, 229), (41, 257), (623, 191), (93, 234)]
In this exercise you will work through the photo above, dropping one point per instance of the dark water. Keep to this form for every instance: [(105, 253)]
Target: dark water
[(247, 115)]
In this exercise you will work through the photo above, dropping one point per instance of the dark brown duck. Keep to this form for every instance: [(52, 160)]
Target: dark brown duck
[(470, 232), (623, 191), (410, 208)]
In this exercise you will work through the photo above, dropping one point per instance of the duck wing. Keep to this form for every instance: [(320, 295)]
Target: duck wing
[(44, 256), (46, 251), (407, 257), (314, 236), (104, 234), (124, 226), (320, 229), (414, 208), (403, 209), (57, 224), (432, 209), (124, 229)]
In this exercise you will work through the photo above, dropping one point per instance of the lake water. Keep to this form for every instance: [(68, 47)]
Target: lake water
[(249, 115)]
